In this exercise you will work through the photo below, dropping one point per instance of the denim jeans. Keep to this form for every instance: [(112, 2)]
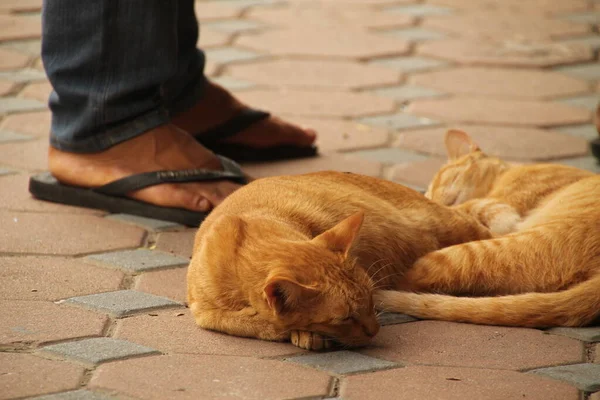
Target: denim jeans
[(118, 68)]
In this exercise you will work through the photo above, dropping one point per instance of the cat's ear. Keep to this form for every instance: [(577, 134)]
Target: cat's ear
[(459, 144), (222, 239), (339, 239), (283, 294)]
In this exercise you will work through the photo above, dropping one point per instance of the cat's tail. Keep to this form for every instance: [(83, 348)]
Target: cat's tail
[(576, 306)]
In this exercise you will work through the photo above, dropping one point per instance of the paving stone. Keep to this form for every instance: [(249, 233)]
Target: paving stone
[(317, 74), (587, 131), (234, 25), (23, 75), (53, 278), (234, 84), (17, 104), (583, 18), (389, 318), (342, 362), (31, 123), (39, 91), (508, 25), (175, 331), (20, 5), (329, 42), (590, 102), (399, 121), (485, 110), (507, 54), (535, 7), (389, 155), (327, 14), (25, 322), (501, 82), (595, 396), (586, 377), (416, 34), (420, 10), (227, 55), (170, 284), (593, 41), (5, 171), (589, 334), (177, 243), (333, 162), (16, 27), (464, 345), (342, 135), (410, 64), (252, 3), (81, 394), (589, 163), (210, 38), (154, 225), (24, 375), (589, 71), (8, 136), (177, 377), (29, 155), (431, 382), (138, 260), (33, 47), (122, 303), (6, 87), (317, 104), (509, 143), (94, 234), (98, 350), (407, 92), (216, 10), (11, 59), (416, 174)]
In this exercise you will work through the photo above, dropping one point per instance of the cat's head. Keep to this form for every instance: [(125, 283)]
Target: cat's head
[(468, 174), (311, 285)]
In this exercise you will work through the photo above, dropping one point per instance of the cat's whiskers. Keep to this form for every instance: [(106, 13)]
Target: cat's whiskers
[(375, 287), (372, 264)]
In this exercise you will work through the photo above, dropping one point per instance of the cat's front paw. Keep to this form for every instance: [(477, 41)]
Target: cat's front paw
[(310, 340)]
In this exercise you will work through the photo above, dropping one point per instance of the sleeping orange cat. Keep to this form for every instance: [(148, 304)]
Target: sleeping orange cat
[(298, 257), (545, 273)]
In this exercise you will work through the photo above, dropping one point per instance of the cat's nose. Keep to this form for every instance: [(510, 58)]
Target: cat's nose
[(371, 329)]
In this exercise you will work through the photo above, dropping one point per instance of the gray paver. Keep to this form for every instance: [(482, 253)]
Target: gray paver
[(16, 104), (98, 350), (408, 92), (155, 225), (122, 302), (9, 136), (399, 121), (234, 25), (589, 101), (233, 83), (587, 131), (23, 75), (589, 163), (583, 376), (342, 362), (421, 10), (248, 3), (390, 155), (583, 18), (589, 71), (589, 334), (394, 319), (5, 171), (75, 395), (30, 46), (138, 260), (415, 34), (226, 55), (410, 64), (592, 41)]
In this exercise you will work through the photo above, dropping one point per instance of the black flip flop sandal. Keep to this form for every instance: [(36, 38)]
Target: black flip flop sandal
[(213, 139), (111, 197)]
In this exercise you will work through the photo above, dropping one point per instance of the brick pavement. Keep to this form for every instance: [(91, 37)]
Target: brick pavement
[(92, 303)]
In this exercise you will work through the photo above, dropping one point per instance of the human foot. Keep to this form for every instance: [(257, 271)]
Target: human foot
[(218, 106), (162, 148)]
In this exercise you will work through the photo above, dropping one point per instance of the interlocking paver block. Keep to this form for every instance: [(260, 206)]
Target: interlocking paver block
[(593, 41), (399, 121), (589, 334), (420, 10), (53, 278), (211, 38), (170, 283), (226, 55), (587, 131), (122, 302), (177, 377), (23, 75), (234, 25), (583, 18), (583, 376), (6, 171), (175, 331), (485, 110), (416, 34), (416, 174), (178, 243), (590, 163), (532, 7), (465, 345), (81, 394), (501, 82), (32, 123), (407, 92), (234, 84), (18, 104), (39, 91), (17, 27), (11, 59), (98, 350), (526, 54), (410, 64), (422, 382), (390, 155), (330, 42), (321, 74), (9, 136), (6, 87), (23, 322), (31, 155), (138, 260), (23, 375), (590, 102), (342, 362), (217, 10), (20, 6), (32, 46), (155, 225), (589, 71), (394, 318)]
